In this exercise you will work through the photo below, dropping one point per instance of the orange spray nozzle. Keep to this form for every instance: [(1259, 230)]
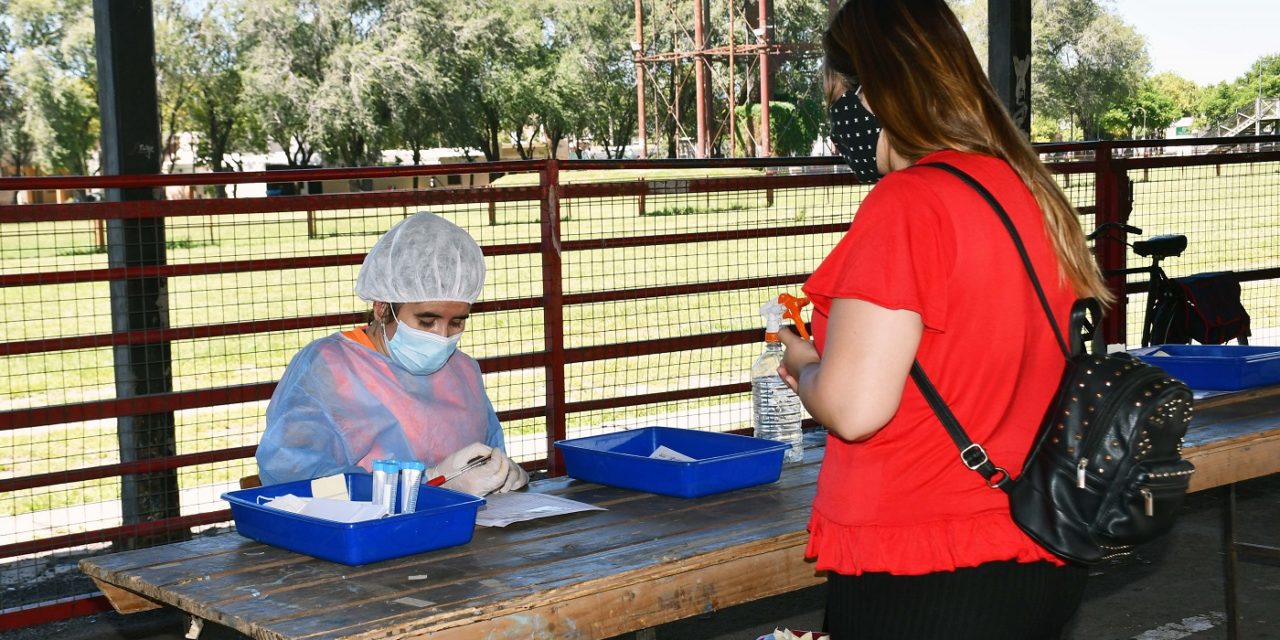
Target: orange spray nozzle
[(794, 305)]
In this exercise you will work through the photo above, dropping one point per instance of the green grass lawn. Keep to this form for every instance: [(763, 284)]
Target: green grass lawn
[(1230, 220)]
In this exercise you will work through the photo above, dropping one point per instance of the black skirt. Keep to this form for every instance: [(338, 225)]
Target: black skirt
[(993, 601)]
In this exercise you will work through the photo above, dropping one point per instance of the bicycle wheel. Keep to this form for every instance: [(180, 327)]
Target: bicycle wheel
[(1168, 321)]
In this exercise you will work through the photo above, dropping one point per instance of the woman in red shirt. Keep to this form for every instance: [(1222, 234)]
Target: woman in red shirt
[(915, 544)]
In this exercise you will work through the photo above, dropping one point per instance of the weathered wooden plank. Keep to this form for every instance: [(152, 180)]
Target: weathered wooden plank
[(1250, 456), (563, 580), (1237, 397), (728, 580), (492, 573), (260, 594), (124, 601), (178, 552), (1222, 428), (553, 533)]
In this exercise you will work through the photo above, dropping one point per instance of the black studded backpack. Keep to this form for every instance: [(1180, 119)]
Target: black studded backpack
[(1106, 471)]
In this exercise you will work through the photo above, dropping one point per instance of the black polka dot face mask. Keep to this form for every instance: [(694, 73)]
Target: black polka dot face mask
[(855, 131)]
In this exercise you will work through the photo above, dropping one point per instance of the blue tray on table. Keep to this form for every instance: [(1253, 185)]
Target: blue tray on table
[(722, 461), (1216, 367), (443, 518)]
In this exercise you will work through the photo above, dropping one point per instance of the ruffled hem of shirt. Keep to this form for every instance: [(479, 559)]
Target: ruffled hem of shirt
[(917, 549)]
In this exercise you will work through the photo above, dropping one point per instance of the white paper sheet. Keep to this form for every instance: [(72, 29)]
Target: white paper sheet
[(343, 510), (329, 509), (333, 487), (501, 509), (663, 452)]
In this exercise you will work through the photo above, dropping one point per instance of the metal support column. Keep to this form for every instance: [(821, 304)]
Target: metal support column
[(765, 148), (1009, 57), (125, 42), (637, 51), (700, 73)]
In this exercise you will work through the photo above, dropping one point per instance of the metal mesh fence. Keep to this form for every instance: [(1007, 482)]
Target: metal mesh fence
[(706, 272), (1228, 213), (661, 273)]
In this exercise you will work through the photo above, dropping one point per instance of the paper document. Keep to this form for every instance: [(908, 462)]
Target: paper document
[(333, 487), (328, 509), (665, 453), (501, 509)]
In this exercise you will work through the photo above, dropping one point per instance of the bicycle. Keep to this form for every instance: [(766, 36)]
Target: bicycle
[(1203, 307)]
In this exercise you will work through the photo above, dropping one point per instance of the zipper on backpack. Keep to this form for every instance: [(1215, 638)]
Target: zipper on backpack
[(1148, 501), (1095, 436)]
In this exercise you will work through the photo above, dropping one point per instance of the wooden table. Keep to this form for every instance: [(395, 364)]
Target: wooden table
[(1235, 437), (647, 560)]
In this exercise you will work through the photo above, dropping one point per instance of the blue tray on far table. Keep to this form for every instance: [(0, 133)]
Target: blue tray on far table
[(1216, 367)]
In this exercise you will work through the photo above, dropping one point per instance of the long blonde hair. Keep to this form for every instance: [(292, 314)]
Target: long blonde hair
[(921, 78)]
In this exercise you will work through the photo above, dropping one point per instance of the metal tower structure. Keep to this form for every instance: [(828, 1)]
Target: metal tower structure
[(685, 46)]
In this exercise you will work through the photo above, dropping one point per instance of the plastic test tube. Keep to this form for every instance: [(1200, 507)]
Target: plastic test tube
[(386, 477), (410, 477)]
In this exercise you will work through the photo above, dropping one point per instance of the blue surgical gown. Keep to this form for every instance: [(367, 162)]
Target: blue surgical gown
[(342, 405)]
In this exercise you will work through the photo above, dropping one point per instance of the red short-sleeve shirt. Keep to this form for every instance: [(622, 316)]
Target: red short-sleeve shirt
[(901, 501)]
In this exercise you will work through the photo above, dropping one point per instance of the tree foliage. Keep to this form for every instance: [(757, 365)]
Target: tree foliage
[(1221, 102), (792, 128), (1086, 62), (1184, 93), (200, 55), (52, 74), (341, 81), (1147, 110)]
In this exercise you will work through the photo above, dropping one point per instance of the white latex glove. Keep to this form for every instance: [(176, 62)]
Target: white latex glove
[(516, 475), (478, 481), (500, 474)]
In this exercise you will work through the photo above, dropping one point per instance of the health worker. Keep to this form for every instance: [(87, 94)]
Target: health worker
[(398, 387)]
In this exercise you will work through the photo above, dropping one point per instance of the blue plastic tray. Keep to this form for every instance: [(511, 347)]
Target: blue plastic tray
[(443, 518), (1216, 367), (723, 461)]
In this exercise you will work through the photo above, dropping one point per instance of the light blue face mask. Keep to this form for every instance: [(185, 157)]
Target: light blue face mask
[(421, 352)]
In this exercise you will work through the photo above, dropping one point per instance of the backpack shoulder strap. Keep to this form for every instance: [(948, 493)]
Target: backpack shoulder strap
[(971, 453), (1017, 242)]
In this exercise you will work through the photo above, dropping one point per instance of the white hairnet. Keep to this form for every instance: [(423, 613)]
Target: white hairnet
[(422, 258)]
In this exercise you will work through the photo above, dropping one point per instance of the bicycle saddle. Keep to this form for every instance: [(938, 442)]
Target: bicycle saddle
[(1161, 246)]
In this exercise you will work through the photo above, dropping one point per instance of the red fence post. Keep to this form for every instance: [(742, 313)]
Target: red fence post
[(1113, 198), (644, 190), (553, 311)]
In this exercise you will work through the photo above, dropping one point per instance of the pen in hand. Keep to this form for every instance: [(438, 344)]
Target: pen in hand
[(471, 464)]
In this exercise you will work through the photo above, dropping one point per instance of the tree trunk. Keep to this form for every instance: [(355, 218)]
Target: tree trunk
[(674, 121), (220, 135), (553, 141), (491, 148)]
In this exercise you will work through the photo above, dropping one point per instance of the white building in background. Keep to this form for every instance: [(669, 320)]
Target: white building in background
[(1181, 129)]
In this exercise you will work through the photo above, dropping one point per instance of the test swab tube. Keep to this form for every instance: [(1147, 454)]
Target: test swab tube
[(410, 478), (386, 478)]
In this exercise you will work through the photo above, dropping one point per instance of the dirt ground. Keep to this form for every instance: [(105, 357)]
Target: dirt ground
[(1170, 589)]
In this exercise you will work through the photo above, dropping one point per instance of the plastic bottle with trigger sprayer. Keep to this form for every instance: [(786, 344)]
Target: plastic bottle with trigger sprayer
[(775, 408)]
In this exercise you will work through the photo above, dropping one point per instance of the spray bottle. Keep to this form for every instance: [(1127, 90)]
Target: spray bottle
[(774, 406)]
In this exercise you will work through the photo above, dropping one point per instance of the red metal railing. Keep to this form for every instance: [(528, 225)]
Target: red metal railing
[(1100, 183)]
